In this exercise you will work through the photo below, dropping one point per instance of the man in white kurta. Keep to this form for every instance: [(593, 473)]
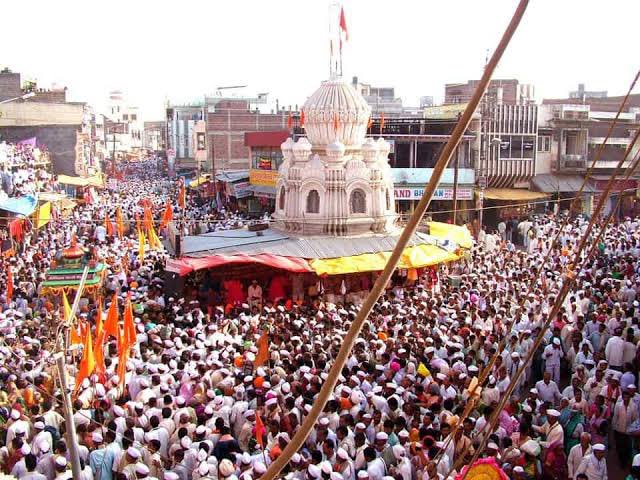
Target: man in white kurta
[(578, 452), (551, 429), (594, 465)]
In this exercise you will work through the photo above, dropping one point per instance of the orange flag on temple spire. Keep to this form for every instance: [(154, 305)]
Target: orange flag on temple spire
[(119, 223), (168, 215), (290, 121), (301, 118), (110, 326), (335, 122), (9, 284), (370, 123), (88, 362)]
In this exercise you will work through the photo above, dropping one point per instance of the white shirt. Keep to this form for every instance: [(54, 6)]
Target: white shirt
[(614, 351), (575, 458), (547, 392), (593, 468), (623, 416)]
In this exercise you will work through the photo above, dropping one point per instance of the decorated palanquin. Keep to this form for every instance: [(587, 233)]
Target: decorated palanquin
[(66, 272), (483, 469)]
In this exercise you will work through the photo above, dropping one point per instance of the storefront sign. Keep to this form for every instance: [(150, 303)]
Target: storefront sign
[(445, 193), (241, 190), (266, 178), (445, 111)]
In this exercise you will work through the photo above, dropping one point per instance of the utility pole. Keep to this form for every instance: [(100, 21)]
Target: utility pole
[(72, 439), (455, 186)]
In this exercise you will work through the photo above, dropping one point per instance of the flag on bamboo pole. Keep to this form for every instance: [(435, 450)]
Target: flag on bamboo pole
[(148, 218), (119, 223), (154, 240), (141, 240), (108, 225), (99, 324), (263, 350), (167, 216), (129, 333), (9, 284), (289, 121), (301, 118), (88, 362), (182, 195), (260, 430), (110, 326), (100, 369), (343, 24), (123, 357)]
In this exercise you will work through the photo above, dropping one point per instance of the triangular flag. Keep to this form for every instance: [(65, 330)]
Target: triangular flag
[(290, 121), (343, 24), (108, 225), (263, 350), (66, 308), (74, 336), (88, 362), (9, 284), (260, 430), (129, 332), (168, 215), (182, 196), (141, 241), (148, 217), (119, 223), (110, 326)]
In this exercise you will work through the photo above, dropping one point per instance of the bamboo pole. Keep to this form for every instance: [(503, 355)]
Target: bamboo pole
[(461, 126)]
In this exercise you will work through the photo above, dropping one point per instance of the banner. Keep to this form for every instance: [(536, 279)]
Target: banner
[(445, 193), (266, 178)]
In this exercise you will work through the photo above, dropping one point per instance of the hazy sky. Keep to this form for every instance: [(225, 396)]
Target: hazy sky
[(182, 49)]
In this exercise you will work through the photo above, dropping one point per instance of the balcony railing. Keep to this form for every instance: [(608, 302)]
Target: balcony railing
[(572, 162)]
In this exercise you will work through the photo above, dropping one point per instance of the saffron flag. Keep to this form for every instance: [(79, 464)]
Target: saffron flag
[(148, 218), (335, 122), (182, 196), (129, 333), (301, 118), (88, 362), (290, 121), (370, 123), (9, 284), (100, 369), (110, 326), (263, 350), (260, 430), (108, 225), (99, 326), (66, 308), (154, 241), (141, 241), (168, 215), (119, 223), (381, 122), (343, 24)]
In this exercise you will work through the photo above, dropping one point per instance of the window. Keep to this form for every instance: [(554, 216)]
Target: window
[(134, 117), (125, 116), (358, 201), (313, 202), (544, 143), (281, 199)]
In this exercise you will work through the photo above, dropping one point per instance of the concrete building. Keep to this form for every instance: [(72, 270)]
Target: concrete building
[(506, 91), (581, 94), (65, 128), (380, 99), (126, 127), (181, 120), (571, 134), (154, 136)]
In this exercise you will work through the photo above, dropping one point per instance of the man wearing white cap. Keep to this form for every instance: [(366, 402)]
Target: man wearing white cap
[(551, 429), (547, 389), (552, 355), (578, 452), (594, 465)]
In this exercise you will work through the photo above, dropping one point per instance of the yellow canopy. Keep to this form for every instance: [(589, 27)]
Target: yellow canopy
[(42, 216), (458, 234), (95, 181), (200, 180), (512, 194), (412, 257)]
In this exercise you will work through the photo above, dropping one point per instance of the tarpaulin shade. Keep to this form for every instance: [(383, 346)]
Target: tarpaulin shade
[(21, 206), (512, 194), (95, 181), (412, 257), (43, 216), (186, 265), (199, 181), (455, 233)]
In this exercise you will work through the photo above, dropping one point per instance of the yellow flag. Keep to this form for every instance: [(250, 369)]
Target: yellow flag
[(423, 370), (141, 241)]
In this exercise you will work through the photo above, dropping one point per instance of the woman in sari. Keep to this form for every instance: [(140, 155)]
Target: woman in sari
[(573, 428), (555, 462)]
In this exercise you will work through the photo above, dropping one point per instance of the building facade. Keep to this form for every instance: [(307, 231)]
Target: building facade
[(180, 123), (154, 135)]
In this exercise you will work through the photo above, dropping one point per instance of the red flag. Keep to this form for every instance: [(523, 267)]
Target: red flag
[(263, 350), (9, 284), (110, 326), (290, 121), (301, 118), (335, 122), (260, 430), (381, 122), (343, 24), (168, 215)]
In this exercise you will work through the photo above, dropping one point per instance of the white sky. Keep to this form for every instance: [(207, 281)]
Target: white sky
[(182, 49)]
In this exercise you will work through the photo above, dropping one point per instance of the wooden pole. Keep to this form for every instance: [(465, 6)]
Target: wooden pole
[(329, 385)]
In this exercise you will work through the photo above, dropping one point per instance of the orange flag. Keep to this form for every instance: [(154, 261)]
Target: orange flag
[(9, 284), (290, 121), (129, 339), (108, 225), (182, 196), (301, 118), (119, 223), (148, 217), (381, 122), (110, 326), (88, 362), (370, 123), (101, 370), (343, 24), (263, 350), (99, 326), (260, 430), (335, 122), (168, 215)]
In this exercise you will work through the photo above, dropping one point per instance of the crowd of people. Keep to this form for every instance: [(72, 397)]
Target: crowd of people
[(198, 400), (24, 168)]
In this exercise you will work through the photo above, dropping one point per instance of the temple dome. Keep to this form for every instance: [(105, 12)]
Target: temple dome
[(336, 99)]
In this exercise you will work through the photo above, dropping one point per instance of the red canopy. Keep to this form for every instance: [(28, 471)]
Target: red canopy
[(186, 265)]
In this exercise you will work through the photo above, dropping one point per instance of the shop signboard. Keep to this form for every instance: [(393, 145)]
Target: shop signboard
[(441, 193), (241, 190), (265, 178)]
